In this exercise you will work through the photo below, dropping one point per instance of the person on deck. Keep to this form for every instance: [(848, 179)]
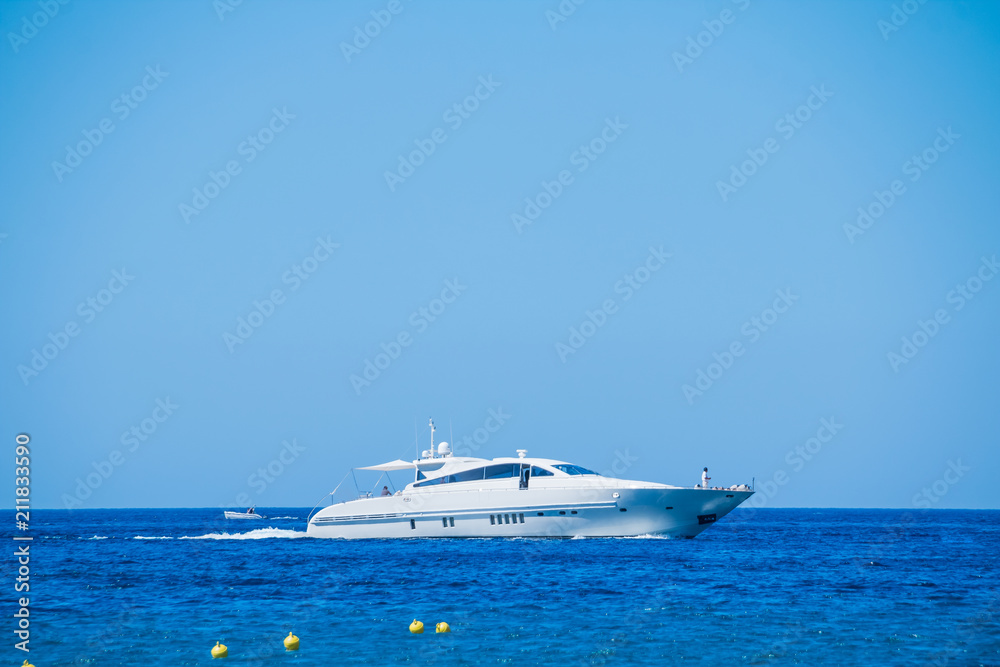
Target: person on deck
[(385, 491), (704, 478)]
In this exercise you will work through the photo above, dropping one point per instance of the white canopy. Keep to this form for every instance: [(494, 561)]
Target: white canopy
[(398, 464)]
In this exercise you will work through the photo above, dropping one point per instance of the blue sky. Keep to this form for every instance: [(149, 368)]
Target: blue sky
[(697, 169)]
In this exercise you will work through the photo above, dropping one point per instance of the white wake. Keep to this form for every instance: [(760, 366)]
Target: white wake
[(259, 534)]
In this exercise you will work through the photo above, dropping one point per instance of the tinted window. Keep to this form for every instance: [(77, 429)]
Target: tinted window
[(469, 475), (540, 472), (431, 482), (573, 470), (501, 471)]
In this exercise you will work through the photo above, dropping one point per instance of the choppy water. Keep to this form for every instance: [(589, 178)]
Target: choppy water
[(859, 587)]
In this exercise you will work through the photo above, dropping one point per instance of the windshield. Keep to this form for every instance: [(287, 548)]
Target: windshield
[(573, 470)]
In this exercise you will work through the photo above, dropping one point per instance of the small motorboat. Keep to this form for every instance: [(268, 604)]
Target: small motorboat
[(249, 514)]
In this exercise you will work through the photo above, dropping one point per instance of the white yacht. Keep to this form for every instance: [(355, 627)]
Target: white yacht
[(456, 496)]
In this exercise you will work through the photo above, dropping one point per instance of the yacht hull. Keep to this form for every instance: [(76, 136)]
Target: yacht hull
[(597, 511)]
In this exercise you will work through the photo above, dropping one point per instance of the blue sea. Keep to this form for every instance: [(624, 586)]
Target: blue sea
[(761, 587)]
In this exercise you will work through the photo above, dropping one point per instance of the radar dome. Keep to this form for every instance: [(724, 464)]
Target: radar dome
[(444, 449)]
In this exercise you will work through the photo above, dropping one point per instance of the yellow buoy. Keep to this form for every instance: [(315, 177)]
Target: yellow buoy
[(27, 664), (291, 642), (417, 627), (219, 650), (443, 627)]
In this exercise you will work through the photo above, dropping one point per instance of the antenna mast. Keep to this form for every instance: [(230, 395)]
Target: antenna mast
[(432, 438)]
